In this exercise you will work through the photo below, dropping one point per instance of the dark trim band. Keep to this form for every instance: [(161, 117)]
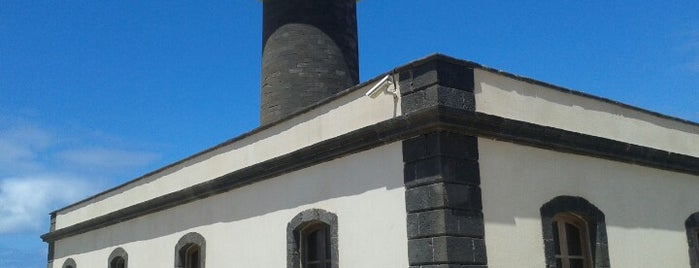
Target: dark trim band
[(566, 141), (421, 121), (358, 140)]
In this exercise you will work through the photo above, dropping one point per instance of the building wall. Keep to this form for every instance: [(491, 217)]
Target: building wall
[(246, 227), (342, 115), (645, 208), (522, 100)]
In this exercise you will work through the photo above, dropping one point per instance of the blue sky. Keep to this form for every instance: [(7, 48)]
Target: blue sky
[(95, 93)]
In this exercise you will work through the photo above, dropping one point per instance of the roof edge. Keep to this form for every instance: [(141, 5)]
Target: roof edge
[(420, 61)]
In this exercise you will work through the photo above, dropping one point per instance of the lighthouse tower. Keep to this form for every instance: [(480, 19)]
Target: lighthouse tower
[(309, 53)]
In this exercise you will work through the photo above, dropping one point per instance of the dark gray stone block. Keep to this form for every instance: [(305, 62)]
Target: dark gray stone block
[(446, 250), (438, 95), (445, 222), (436, 71), (443, 199), (438, 169), (443, 195), (420, 251), (441, 143)]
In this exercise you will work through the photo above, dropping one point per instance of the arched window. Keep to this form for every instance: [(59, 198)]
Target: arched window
[(191, 256), (571, 243), (69, 263), (117, 262), (315, 246), (118, 258), (190, 251), (692, 226), (312, 240), (575, 234)]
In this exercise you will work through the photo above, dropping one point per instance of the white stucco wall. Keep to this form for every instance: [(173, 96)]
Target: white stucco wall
[(342, 115), (645, 208), (246, 227), (507, 97)]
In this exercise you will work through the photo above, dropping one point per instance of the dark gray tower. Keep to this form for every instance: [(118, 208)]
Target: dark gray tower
[(309, 53)]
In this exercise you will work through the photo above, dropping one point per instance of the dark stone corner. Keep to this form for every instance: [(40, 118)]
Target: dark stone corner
[(437, 81), (443, 201)]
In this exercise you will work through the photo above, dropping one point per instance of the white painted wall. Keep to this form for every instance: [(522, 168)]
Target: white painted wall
[(510, 98), (342, 115), (645, 208), (246, 227)]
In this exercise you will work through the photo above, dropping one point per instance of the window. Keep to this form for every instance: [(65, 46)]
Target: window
[(118, 258), (692, 225), (312, 240), (575, 234), (191, 256), (315, 245), (117, 262), (190, 251), (571, 243), (69, 263)]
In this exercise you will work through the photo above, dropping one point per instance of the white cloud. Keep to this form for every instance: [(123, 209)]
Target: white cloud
[(106, 159), (20, 146), (25, 201), (41, 172)]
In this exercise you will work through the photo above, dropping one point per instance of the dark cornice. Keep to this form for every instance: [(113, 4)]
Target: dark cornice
[(475, 65), (546, 137), (227, 142), (412, 65), (358, 140), (417, 122)]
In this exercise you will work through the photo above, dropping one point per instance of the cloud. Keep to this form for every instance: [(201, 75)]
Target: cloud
[(27, 149), (41, 171), (106, 159), (20, 146), (25, 201)]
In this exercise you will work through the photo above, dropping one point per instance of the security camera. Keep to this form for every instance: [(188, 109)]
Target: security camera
[(380, 87)]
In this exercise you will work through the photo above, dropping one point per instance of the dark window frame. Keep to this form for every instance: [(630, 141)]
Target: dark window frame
[(587, 212), (183, 247), (692, 227), (69, 263), (191, 255), (315, 237), (118, 253), (305, 221)]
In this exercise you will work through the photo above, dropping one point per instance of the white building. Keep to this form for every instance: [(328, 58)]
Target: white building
[(452, 164)]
